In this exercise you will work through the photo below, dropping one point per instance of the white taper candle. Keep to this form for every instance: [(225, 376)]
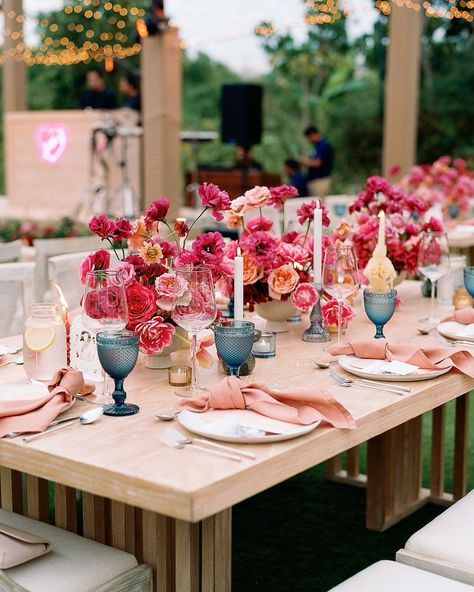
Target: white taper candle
[(239, 287), (318, 243)]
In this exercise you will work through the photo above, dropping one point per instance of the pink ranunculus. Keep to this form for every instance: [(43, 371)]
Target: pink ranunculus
[(258, 223), (127, 269), (433, 225), (100, 259), (123, 229), (154, 335), (281, 281), (208, 248), (102, 226), (305, 212), (260, 245), (329, 311), (172, 290), (288, 253), (141, 302), (279, 194), (157, 211), (238, 204), (184, 257), (257, 197), (377, 184), (305, 297), (214, 198)]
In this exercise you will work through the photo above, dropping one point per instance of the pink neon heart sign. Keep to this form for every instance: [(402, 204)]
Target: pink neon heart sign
[(52, 140)]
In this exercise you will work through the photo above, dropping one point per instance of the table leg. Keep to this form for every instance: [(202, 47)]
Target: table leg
[(394, 475)]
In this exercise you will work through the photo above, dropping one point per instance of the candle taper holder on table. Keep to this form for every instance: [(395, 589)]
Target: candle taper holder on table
[(316, 333)]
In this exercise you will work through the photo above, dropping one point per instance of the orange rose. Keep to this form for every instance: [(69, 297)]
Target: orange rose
[(282, 280), (252, 272)]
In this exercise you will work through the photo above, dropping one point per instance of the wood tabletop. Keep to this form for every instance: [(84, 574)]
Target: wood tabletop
[(123, 459)]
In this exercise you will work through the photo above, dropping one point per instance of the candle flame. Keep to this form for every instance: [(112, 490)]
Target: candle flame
[(239, 252), (62, 298), (180, 219), (381, 213)]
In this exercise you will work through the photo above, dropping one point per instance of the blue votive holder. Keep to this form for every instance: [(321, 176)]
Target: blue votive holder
[(265, 346), (379, 307), (469, 280)]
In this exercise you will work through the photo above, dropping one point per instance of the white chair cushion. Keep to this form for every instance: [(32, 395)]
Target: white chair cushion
[(450, 536), (388, 576), (75, 564)]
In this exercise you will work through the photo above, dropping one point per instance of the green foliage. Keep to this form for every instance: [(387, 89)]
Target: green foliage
[(12, 229)]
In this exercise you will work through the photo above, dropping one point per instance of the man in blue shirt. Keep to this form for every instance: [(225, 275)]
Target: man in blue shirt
[(296, 177), (319, 163)]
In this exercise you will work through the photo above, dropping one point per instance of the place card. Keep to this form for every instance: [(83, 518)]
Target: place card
[(467, 331), (384, 367)]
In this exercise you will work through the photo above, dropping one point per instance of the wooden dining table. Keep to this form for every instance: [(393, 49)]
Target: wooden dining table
[(172, 508)]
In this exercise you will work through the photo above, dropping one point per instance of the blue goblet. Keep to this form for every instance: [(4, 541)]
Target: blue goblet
[(118, 353), (234, 342), (469, 280), (379, 307)]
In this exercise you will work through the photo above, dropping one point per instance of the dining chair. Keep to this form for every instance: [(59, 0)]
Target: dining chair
[(445, 546), (74, 564), (388, 576), (48, 247), (16, 295), (10, 252), (338, 208), (272, 214), (63, 270), (290, 218)]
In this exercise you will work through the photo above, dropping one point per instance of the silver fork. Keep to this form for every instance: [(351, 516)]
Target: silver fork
[(453, 343), (177, 435), (169, 441), (348, 382)]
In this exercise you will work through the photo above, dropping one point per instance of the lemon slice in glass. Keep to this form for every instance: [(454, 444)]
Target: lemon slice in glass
[(39, 338)]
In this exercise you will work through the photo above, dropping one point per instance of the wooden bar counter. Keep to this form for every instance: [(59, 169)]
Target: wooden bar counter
[(172, 508)]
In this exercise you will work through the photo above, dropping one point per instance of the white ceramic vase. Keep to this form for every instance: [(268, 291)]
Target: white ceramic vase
[(276, 312)]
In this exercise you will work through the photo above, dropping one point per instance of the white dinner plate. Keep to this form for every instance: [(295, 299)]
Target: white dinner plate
[(24, 391), (346, 362), (455, 330), (202, 425)]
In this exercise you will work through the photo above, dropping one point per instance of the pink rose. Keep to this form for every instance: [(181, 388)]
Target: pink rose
[(281, 281), (257, 197), (214, 198), (154, 335), (280, 194), (102, 226), (141, 303), (305, 297), (103, 303), (172, 291), (127, 269)]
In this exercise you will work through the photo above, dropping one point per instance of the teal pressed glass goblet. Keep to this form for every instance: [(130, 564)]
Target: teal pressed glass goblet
[(379, 307), (469, 280), (118, 354), (234, 342)]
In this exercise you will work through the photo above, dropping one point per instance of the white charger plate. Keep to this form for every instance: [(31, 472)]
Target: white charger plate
[(24, 391), (201, 424), (346, 363), (452, 329)]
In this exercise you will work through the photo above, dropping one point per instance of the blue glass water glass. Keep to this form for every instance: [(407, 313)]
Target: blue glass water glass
[(379, 307), (453, 211), (234, 341), (469, 280), (118, 354)]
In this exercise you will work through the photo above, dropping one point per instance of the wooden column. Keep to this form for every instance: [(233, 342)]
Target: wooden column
[(161, 99), (14, 71), (402, 88)]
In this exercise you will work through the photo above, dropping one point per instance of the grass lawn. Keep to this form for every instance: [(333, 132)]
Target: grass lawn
[(307, 534)]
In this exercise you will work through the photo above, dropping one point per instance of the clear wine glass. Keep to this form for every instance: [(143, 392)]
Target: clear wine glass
[(340, 277), (104, 308), (195, 311), (433, 263)]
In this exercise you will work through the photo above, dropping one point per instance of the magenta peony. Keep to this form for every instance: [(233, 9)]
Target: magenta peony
[(157, 211), (154, 335), (278, 195), (208, 248), (305, 297), (260, 246), (212, 197), (102, 226), (123, 229)]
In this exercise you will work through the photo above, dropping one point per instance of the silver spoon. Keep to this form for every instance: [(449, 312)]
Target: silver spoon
[(324, 363), (91, 415), (167, 414)]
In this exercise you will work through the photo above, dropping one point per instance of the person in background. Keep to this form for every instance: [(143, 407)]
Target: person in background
[(129, 86), (296, 177), (319, 163), (244, 160), (97, 95)]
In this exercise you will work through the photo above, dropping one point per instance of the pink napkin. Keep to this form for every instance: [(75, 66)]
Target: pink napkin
[(301, 406), (465, 316), (35, 415), (429, 357)]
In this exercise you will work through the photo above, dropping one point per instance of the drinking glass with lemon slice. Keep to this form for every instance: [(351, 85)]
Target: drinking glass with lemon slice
[(44, 342)]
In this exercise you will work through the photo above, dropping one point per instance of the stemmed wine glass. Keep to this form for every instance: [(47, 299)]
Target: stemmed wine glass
[(340, 276), (234, 342), (194, 312), (104, 308), (433, 263)]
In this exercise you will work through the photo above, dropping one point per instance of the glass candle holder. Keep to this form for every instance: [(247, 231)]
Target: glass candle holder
[(379, 307), (180, 375), (265, 347)]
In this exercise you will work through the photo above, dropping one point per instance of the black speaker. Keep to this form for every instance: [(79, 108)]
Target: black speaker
[(241, 109)]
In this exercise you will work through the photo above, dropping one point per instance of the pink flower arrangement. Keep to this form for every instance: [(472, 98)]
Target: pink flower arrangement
[(144, 256), (257, 198), (330, 313), (445, 181)]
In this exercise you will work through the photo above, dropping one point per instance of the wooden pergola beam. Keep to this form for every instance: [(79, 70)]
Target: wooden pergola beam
[(402, 88), (14, 70)]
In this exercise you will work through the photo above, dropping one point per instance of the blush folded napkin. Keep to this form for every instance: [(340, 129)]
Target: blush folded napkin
[(428, 357), (301, 406), (465, 316), (35, 415)]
